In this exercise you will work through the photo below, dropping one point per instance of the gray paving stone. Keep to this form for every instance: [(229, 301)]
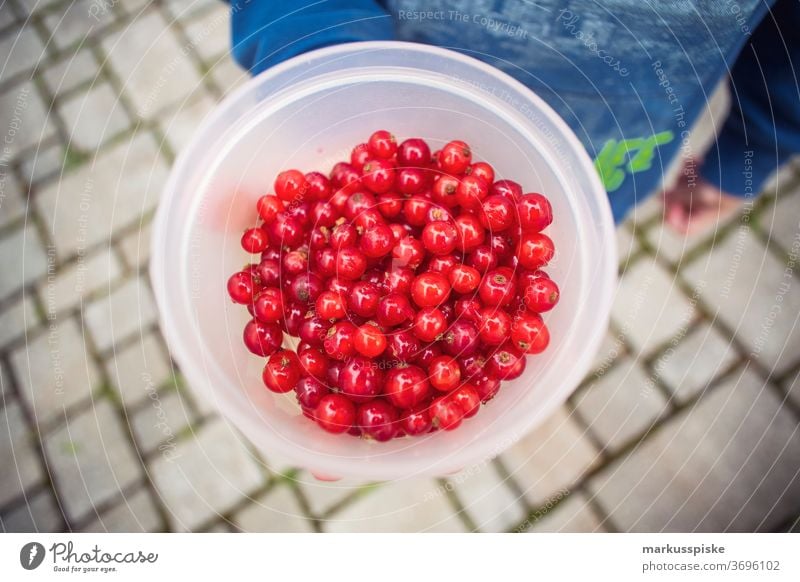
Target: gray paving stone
[(40, 513), (550, 460), (611, 349), (161, 420), (139, 369), (487, 499), (277, 511), (627, 245), (23, 258), (205, 476), (182, 125), (183, 9), (754, 294), (77, 21), (135, 246), (72, 284), (94, 202), (5, 383), (16, 319), (46, 162), (33, 6), (12, 199), (54, 370), (210, 33), (24, 119), (132, 514), (649, 308), (94, 117), (322, 496), (573, 515), (7, 17), (792, 387), (728, 464), (648, 209), (92, 459), (781, 221), (228, 75), (70, 71), (415, 505), (621, 404), (150, 61), (127, 310), (672, 246), (22, 465), (23, 50), (688, 367)]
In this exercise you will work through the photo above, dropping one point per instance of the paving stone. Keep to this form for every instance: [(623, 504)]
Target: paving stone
[(573, 515), (54, 370), (24, 119), (32, 6), (621, 404), (161, 420), (22, 465), (71, 71), (210, 33), (727, 464), (23, 258), (94, 117), (46, 162), (648, 209), (182, 125), (139, 369), (12, 199), (92, 459), (5, 383), (277, 511), (688, 367), (671, 245), (23, 50), (487, 498), (40, 513), (781, 221), (155, 69), (415, 505), (228, 75), (94, 202), (792, 388), (7, 17), (550, 460), (16, 319), (182, 9), (78, 280), (127, 310), (611, 349), (753, 293), (205, 476), (76, 21), (627, 245), (134, 513), (322, 496), (135, 246), (649, 308)]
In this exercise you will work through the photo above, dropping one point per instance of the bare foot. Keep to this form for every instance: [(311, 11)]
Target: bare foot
[(693, 205)]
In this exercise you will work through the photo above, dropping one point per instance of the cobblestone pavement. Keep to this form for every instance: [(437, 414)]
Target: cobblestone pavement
[(689, 423)]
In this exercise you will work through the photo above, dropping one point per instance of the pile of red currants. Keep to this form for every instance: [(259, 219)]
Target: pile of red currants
[(412, 279)]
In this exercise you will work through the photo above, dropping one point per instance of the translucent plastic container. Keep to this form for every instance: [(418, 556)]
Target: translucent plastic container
[(307, 113)]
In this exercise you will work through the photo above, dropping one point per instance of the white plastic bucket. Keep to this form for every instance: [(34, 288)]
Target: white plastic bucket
[(307, 113)]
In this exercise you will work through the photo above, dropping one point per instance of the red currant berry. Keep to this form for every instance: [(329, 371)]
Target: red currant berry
[(404, 346), (269, 271), (293, 317), (350, 264), (255, 240), (471, 192), (262, 339), (507, 363), (444, 373), (529, 333), (471, 233), (498, 213), (487, 387), (440, 238), (360, 379), (305, 288), (339, 342), (416, 421), (378, 176), (294, 263), (535, 212), (445, 413), (468, 309), (406, 387), (541, 294), (394, 309), (455, 157), (313, 362), (408, 252), (498, 287), (416, 210), (282, 371), (241, 287), (482, 258), (268, 306), (429, 323), (377, 242), (285, 231), (378, 420), (508, 189), (269, 207), (442, 264), (534, 250), (430, 289), (363, 299), (445, 191), (414, 153), (482, 170), (359, 155), (319, 187), (370, 341), (335, 413), (464, 279), (467, 399), (390, 204), (461, 340), (495, 326), (382, 144), (309, 392), (399, 280), (331, 305), (426, 355), (410, 181), (291, 185)]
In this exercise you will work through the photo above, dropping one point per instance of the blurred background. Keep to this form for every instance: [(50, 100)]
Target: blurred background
[(689, 421)]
